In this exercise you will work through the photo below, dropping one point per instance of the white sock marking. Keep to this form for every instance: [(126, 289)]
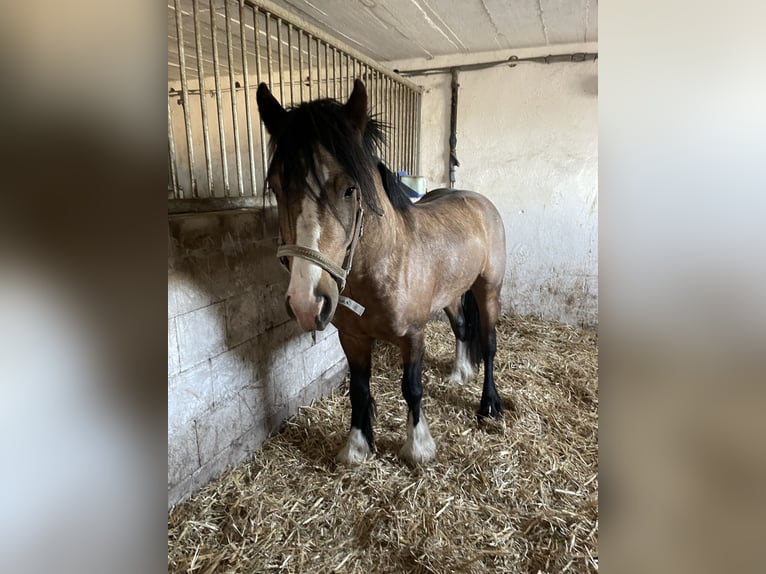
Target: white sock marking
[(356, 449), (419, 446), (463, 370)]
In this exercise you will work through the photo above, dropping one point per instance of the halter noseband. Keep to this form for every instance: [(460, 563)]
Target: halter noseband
[(339, 273)]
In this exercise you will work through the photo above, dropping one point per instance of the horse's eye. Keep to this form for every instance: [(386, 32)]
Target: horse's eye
[(350, 191)]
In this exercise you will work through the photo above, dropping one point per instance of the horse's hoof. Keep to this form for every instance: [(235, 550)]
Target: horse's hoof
[(419, 448), (356, 449), (492, 410), (420, 454)]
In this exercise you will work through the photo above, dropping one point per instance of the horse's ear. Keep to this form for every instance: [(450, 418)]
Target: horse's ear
[(356, 106), (272, 112)]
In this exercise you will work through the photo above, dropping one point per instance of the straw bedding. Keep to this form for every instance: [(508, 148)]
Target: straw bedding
[(520, 495)]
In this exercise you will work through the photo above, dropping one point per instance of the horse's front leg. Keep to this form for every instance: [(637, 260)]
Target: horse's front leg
[(360, 442), (419, 446)]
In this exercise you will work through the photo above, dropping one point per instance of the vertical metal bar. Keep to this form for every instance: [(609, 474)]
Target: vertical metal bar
[(319, 69), (412, 131), (248, 113), (418, 170), (259, 74), (300, 62), (326, 71), (233, 88), (308, 61), (398, 133), (172, 151), (382, 96), (334, 89), (394, 127), (290, 65), (349, 74), (411, 100), (344, 78), (403, 130), (280, 22), (268, 48), (185, 95), (218, 102), (202, 102)]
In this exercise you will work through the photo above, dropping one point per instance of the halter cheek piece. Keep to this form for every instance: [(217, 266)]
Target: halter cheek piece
[(339, 273)]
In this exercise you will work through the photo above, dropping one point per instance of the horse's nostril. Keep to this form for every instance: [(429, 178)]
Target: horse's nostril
[(324, 313), (288, 308)]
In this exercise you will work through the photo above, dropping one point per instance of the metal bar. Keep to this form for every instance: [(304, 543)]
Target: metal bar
[(248, 114), (233, 87), (511, 62), (280, 60), (290, 65), (268, 47), (412, 133), (218, 102), (413, 104), (334, 76), (326, 71), (349, 75), (419, 97), (453, 161), (202, 102), (259, 74), (300, 63), (319, 68), (172, 152), (379, 88), (279, 11), (400, 126), (308, 61), (185, 95), (395, 120), (391, 127), (407, 131)]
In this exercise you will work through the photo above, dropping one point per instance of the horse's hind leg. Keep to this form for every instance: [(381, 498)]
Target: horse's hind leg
[(419, 446), (463, 367), (488, 298), (360, 442)]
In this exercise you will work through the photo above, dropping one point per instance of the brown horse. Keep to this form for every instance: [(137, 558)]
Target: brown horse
[(363, 257)]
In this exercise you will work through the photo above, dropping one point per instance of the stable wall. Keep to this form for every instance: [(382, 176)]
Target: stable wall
[(527, 138), (237, 365)]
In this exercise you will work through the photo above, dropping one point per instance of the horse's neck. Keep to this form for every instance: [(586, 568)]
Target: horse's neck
[(382, 233)]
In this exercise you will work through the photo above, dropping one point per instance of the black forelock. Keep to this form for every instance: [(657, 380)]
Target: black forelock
[(325, 122)]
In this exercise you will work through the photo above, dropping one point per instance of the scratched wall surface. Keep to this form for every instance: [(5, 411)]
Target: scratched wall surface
[(527, 138), (237, 365)]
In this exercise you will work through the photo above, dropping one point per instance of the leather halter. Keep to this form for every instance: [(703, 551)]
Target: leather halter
[(338, 273)]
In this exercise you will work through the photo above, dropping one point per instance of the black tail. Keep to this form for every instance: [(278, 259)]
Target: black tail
[(472, 326)]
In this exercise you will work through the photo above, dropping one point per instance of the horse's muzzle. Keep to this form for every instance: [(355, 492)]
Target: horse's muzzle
[(313, 317)]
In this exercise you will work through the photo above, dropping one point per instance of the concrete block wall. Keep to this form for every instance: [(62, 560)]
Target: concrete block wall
[(237, 365)]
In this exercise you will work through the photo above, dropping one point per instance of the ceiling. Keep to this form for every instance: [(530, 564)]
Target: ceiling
[(388, 30)]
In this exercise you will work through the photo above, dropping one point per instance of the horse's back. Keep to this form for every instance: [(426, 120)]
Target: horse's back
[(473, 210), (455, 213)]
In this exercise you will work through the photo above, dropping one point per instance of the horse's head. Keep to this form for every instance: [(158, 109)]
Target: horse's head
[(321, 176)]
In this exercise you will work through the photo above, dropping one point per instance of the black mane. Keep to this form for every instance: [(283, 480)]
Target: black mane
[(326, 122)]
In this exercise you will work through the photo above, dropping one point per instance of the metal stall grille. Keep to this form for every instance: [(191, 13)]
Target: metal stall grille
[(218, 52)]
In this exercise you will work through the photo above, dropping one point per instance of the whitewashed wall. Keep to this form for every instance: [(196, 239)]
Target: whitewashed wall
[(527, 138), (237, 364)]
